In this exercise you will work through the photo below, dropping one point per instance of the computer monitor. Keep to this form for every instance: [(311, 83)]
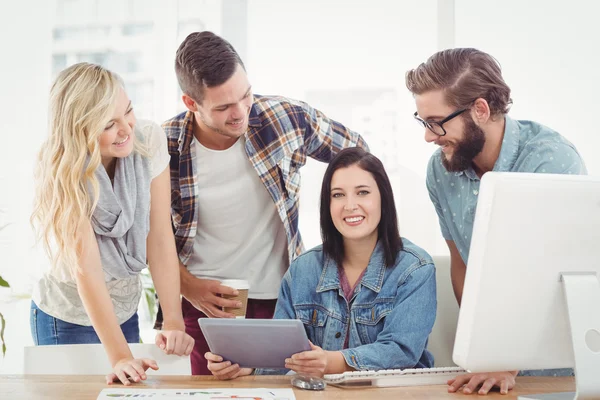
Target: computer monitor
[(531, 298)]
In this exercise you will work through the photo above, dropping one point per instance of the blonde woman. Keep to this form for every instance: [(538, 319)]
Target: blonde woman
[(103, 210)]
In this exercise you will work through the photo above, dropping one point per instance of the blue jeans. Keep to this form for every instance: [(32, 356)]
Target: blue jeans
[(47, 330)]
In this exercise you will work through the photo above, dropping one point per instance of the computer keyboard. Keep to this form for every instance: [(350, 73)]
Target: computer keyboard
[(395, 377)]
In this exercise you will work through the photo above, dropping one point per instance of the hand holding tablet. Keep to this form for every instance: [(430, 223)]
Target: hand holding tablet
[(255, 343)]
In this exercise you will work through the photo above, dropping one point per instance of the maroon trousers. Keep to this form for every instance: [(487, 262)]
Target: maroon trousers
[(256, 309)]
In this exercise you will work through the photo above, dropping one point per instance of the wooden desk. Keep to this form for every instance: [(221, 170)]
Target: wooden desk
[(88, 387)]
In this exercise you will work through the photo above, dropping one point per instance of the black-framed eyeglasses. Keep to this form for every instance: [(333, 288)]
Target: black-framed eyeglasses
[(436, 127)]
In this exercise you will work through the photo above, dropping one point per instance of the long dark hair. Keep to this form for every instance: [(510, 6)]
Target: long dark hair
[(389, 236)]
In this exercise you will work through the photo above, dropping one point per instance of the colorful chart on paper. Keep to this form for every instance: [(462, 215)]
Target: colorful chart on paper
[(200, 394)]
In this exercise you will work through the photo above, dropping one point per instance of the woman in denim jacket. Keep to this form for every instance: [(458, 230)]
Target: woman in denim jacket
[(367, 298)]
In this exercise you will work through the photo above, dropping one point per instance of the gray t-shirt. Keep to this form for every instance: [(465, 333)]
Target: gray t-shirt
[(56, 292)]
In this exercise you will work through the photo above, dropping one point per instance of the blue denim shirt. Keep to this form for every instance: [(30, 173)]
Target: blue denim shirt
[(526, 147), (390, 317)]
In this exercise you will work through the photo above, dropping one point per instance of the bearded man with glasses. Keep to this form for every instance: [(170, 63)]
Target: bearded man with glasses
[(462, 103)]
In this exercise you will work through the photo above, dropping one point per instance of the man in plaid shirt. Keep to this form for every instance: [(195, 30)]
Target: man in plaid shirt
[(235, 180)]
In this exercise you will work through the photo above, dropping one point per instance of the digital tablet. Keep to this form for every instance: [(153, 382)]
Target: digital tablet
[(255, 343)]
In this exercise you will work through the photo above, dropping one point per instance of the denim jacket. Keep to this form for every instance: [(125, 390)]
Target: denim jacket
[(390, 317)]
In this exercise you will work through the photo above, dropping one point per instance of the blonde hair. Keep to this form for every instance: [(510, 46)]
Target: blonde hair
[(82, 101)]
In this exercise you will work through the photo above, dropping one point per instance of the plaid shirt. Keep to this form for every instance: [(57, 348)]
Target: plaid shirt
[(281, 133)]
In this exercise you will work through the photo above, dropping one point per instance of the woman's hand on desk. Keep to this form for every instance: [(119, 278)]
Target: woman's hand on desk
[(134, 369), (223, 369), (487, 380)]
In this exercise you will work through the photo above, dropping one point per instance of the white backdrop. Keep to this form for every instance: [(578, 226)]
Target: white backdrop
[(347, 58)]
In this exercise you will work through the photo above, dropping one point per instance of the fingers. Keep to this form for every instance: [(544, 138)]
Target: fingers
[(175, 342), (223, 370), (504, 380), (221, 302), (303, 363), (149, 363), (212, 357), (171, 342), (130, 370), (122, 377), (472, 385), (487, 385), (160, 340), (212, 311), (140, 370), (110, 378), (226, 290), (219, 313), (308, 362), (486, 380), (456, 383), (190, 346), (307, 355), (218, 368), (504, 387), (245, 372), (229, 372)]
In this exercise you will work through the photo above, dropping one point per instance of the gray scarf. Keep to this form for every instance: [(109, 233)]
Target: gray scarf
[(121, 219)]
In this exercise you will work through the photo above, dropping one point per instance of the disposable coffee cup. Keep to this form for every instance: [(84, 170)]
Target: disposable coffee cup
[(242, 287)]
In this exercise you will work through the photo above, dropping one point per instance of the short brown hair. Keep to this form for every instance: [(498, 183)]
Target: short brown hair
[(465, 75), (204, 60)]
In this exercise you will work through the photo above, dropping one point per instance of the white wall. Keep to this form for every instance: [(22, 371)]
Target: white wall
[(550, 55), (347, 58), (25, 38), (317, 50)]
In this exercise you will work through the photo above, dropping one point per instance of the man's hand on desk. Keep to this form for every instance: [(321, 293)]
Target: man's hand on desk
[(223, 369), (204, 294), (487, 380)]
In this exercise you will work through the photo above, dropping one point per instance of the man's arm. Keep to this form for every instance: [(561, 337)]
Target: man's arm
[(324, 137), (482, 382), (458, 270)]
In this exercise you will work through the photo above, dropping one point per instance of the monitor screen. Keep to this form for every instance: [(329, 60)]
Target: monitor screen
[(529, 229)]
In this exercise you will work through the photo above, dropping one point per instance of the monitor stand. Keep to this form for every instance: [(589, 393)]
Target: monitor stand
[(582, 295)]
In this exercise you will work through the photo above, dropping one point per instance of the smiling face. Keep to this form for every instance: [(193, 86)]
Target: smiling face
[(355, 203), (224, 109), (117, 139), (464, 139)]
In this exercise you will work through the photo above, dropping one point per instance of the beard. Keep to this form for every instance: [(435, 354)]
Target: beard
[(467, 149)]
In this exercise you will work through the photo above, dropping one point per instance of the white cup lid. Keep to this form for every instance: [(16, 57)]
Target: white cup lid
[(239, 284)]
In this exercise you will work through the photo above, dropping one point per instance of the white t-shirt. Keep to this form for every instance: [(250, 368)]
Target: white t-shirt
[(56, 292), (240, 234), (156, 141)]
